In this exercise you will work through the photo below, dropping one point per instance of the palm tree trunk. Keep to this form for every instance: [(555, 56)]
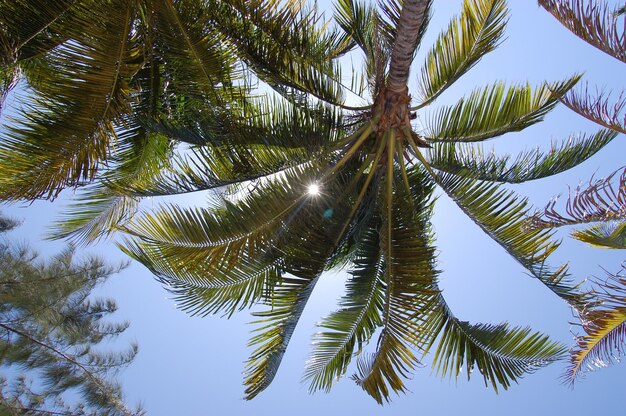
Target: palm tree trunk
[(413, 15)]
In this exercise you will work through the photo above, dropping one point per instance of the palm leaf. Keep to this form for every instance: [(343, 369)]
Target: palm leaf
[(306, 249), (65, 133), (501, 354), (205, 287), (100, 209), (274, 138), (31, 27), (495, 110), (601, 200), (409, 275), (288, 302), (605, 235), (205, 69), (352, 325), (284, 44), (475, 162), (598, 108), (593, 23), (468, 38), (502, 215), (605, 329)]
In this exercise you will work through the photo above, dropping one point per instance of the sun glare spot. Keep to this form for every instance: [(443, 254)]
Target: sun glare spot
[(313, 189)]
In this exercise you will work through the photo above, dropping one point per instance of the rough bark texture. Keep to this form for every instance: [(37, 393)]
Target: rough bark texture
[(413, 15)]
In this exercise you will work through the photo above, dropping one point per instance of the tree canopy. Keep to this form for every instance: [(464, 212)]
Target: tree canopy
[(51, 333)]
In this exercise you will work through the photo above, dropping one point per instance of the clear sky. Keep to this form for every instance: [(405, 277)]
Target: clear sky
[(193, 366)]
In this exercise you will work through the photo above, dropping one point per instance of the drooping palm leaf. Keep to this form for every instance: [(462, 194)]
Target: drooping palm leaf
[(474, 162), (493, 111), (468, 38), (211, 287), (502, 215), (409, 275), (99, 209), (501, 354), (309, 243), (605, 329), (593, 23), (353, 325)]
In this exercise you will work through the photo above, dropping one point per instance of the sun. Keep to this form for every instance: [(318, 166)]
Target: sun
[(313, 189)]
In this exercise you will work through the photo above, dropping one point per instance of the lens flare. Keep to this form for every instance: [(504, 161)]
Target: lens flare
[(313, 189)]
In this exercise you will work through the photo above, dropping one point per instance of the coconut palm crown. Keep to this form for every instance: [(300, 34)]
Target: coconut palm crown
[(306, 183), (357, 193)]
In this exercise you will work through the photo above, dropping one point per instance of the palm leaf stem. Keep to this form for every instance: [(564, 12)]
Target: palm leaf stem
[(368, 179), (352, 150)]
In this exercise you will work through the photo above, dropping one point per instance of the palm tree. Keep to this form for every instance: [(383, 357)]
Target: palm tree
[(602, 203), (312, 184)]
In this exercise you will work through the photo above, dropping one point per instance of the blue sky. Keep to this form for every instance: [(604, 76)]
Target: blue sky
[(193, 366)]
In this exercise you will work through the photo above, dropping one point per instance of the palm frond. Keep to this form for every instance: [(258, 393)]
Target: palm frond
[(601, 200), (502, 215), (279, 322), (30, 28), (409, 274), (96, 215), (98, 210), (285, 45), (353, 325), (468, 38), (66, 131), (205, 285), (593, 23), (308, 245), (500, 353), (605, 235), (598, 108), (474, 162), (495, 110), (605, 329), (274, 138)]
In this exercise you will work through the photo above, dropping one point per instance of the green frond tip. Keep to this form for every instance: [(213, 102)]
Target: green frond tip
[(468, 38), (604, 340), (502, 215), (501, 354), (611, 234), (272, 338), (352, 326)]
